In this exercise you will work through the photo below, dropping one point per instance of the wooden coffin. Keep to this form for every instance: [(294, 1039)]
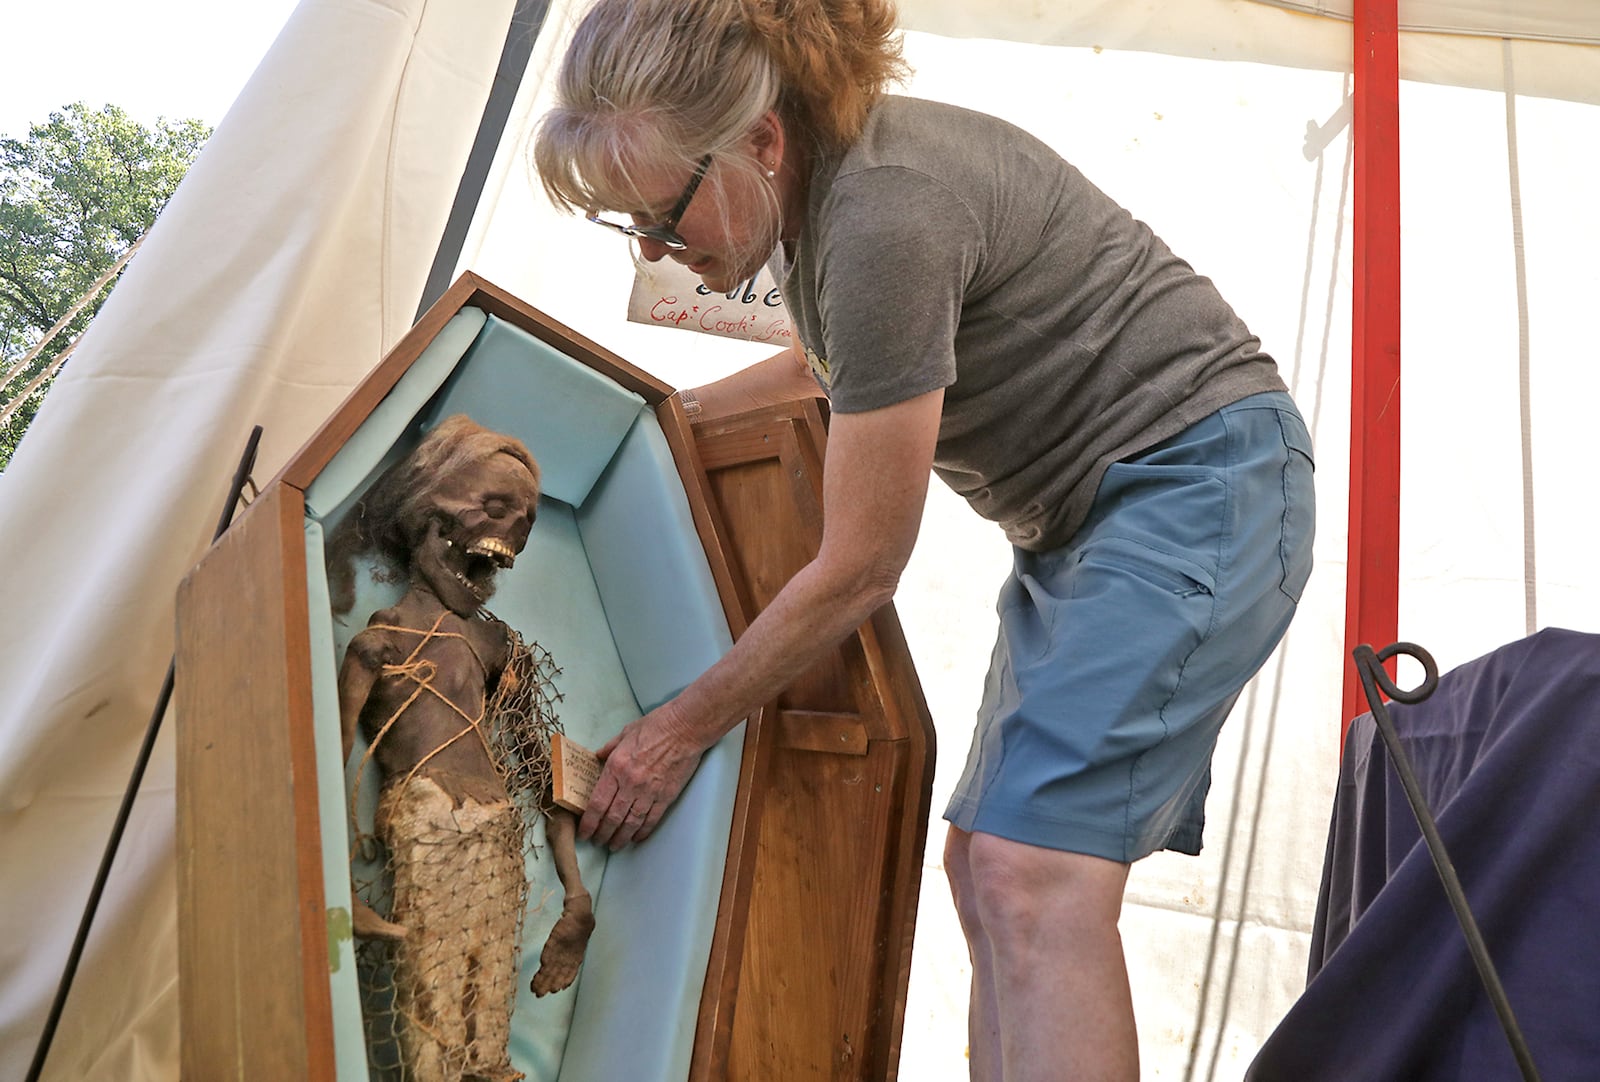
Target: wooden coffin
[(763, 933)]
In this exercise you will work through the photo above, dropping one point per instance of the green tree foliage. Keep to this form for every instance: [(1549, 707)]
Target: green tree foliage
[(74, 194)]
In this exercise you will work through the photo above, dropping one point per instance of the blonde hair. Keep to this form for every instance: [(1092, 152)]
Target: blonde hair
[(667, 82)]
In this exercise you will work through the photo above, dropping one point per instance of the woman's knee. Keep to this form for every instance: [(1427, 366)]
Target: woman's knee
[(1019, 889), (958, 869)]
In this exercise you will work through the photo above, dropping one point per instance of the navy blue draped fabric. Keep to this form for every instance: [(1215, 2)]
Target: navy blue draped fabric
[(1508, 754)]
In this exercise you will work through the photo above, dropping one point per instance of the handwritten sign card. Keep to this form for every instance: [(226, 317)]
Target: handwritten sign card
[(670, 295)]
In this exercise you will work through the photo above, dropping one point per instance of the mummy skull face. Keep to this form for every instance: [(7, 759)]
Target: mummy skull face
[(477, 522)]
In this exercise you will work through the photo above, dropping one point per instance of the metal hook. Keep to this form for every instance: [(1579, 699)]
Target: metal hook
[(1370, 663)]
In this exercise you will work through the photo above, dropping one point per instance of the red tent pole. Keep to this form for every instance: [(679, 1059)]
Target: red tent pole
[(1373, 586)]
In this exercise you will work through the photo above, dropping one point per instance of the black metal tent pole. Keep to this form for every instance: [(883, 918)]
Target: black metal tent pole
[(119, 826), (527, 20)]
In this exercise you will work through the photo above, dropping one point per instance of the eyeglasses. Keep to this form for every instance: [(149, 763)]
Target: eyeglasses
[(664, 232)]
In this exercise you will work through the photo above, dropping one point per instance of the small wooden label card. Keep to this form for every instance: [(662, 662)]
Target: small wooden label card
[(575, 769)]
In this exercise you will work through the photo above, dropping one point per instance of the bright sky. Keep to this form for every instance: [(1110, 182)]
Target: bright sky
[(172, 58)]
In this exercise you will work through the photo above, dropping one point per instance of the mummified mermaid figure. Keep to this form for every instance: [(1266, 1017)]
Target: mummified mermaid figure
[(423, 681)]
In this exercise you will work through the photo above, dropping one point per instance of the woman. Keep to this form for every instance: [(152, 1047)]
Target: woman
[(971, 305)]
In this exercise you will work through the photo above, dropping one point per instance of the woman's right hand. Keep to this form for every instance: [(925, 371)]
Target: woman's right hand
[(646, 767)]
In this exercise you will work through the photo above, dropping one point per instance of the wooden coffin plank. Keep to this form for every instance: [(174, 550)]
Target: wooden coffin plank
[(468, 291), (719, 994), (253, 993), (816, 924)]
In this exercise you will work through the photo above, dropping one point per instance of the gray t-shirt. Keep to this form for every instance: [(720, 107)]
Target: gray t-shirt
[(947, 248)]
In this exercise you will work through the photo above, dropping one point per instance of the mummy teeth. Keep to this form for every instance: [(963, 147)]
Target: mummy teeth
[(493, 546), (490, 546)]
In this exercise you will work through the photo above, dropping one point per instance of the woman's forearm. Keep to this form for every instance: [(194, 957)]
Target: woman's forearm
[(813, 612), (874, 483)]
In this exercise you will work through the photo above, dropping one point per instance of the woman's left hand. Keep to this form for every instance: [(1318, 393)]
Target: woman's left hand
[(646, 767)]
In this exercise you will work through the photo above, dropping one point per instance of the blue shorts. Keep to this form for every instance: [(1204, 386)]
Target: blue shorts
[(1120, 654)]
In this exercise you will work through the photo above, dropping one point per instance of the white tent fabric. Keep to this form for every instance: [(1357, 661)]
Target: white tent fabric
[(290, 260), (1267, 32), (294, 255), (1533, 20)]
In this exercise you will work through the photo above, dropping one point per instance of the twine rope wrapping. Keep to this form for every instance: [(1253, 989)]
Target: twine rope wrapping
[(421, 671), (436, 1005)]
